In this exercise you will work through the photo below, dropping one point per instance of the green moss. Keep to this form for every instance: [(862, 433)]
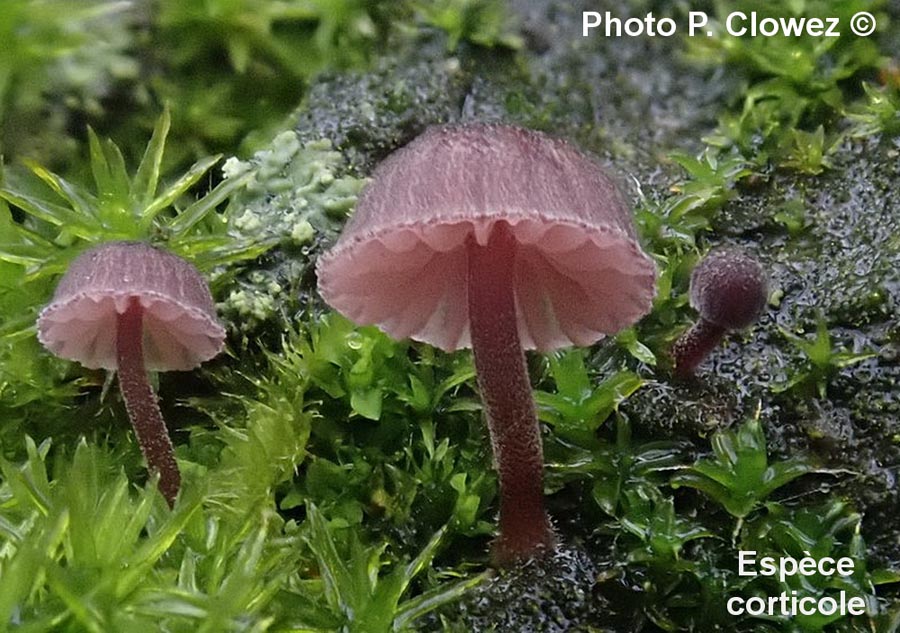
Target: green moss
[(336, 478), (59, 61), (789, 82), (64, 218), (481, 22)]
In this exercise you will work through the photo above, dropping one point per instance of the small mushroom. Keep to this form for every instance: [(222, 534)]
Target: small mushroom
[(729, 291), (501, 239), (130, 307)]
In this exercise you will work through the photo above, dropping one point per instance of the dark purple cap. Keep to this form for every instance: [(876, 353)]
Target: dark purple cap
[(729, 289)]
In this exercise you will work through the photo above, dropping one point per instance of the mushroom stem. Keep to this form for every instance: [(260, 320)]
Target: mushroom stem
[(506, 393), (140, 401), (695, 345)]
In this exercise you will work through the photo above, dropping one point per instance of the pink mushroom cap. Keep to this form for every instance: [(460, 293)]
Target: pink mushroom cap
[(179, 317), (401, 261)]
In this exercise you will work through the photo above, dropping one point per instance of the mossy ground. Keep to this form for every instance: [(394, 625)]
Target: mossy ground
[(337, 480)]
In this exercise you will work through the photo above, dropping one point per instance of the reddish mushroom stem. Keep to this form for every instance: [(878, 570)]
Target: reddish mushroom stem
[(140, 401), (506, 393), (695, 345)]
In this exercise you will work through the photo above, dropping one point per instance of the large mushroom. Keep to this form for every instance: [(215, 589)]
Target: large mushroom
[(502, 239), (130, 307)]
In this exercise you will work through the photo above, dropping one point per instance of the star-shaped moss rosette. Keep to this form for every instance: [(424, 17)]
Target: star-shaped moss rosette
[(62, 217)]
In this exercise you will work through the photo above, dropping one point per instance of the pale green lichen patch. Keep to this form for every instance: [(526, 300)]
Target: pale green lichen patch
[(297, 194), (296, 189)]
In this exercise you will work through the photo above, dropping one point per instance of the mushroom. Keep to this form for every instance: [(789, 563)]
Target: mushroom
[(729, 291), (130, 307), (502, 239)]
